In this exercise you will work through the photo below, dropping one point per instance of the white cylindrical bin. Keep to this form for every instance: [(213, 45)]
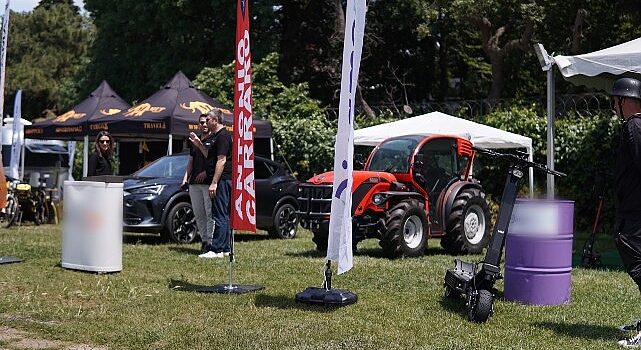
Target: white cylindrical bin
[(92, 226)]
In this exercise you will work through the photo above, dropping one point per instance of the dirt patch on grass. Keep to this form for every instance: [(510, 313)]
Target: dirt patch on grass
[(14, 339)]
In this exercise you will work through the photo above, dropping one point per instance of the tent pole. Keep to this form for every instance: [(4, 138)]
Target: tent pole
[(22, 161), (170, 147), (550, 133), (531, 170), (85, 156)]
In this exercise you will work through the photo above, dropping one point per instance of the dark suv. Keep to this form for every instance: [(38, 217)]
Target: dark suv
[(153, 201)]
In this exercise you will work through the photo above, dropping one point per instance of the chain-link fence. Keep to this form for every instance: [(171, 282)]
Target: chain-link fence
[(581, 104)]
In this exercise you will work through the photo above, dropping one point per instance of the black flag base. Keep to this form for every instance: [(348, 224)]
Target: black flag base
[(230, 288), (326, 296), (9, 260)]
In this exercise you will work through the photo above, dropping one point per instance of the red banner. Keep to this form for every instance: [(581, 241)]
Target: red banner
[(243, 210)]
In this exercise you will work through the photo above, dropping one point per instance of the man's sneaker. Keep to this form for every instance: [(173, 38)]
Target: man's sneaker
[(634, 326), (634, 342), (226, 253), (210, 255)]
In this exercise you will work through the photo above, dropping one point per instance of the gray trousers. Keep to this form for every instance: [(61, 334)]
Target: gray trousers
[(201, 203)]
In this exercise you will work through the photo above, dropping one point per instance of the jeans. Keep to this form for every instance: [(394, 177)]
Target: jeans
[(201, 203), (220, 208)]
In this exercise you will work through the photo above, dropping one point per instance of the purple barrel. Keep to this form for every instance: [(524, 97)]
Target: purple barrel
[(538, 252)]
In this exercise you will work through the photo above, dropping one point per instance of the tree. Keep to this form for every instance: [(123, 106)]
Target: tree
[(45, 54), (302, 133), (141, 44)]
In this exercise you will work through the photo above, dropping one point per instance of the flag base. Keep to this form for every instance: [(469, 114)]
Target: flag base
[(325, 297), (230, 288), (9, 260)]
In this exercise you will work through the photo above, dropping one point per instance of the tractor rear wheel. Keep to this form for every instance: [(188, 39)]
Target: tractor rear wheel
[(468, 223), (405, 229)]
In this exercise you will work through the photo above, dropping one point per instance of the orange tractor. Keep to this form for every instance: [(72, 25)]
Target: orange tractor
[(412, 188)]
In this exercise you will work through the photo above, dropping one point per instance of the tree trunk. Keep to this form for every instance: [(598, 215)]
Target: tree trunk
[(490, 41), (498, 76), (577, 31), (364, 105)]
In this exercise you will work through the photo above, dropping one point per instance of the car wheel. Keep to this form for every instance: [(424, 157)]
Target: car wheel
[(180, 225), (285, 222)]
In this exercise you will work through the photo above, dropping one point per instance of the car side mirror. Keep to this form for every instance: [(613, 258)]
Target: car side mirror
[(359, 161)]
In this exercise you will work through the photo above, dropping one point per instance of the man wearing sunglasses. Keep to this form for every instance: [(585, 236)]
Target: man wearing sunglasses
[(198, 175), (626, 95)]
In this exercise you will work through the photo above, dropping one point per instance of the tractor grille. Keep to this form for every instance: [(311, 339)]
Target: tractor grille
[(314, 204)]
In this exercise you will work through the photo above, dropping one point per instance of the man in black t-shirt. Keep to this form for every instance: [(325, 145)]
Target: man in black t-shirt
[(220, 187), (626, 95), (198, 175), (219, 154)]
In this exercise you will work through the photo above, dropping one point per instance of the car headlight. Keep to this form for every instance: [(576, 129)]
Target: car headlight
[(155, 190)]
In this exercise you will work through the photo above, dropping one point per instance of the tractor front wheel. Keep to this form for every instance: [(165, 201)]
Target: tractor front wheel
[(468, 223), (405, 229)]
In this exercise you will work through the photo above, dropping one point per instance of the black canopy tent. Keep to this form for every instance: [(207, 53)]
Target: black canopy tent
[(171, 111), (74, 125), (169, 114)]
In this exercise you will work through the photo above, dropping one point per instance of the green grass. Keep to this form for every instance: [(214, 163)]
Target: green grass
[(151, 305)]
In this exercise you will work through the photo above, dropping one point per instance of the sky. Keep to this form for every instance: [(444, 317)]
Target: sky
[(28, 5)]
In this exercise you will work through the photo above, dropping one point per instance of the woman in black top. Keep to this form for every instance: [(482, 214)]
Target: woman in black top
[(100, 159)]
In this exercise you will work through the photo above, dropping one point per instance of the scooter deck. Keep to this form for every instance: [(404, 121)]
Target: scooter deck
[(460, 277)]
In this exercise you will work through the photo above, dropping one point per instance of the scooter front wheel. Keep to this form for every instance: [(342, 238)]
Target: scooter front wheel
[(479, 305)]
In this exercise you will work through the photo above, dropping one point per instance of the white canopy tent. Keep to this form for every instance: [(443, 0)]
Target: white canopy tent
[(598, 69), (440, 123)]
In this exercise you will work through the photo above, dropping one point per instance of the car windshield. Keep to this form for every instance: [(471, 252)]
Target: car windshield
[(165, 167), (393, 155)]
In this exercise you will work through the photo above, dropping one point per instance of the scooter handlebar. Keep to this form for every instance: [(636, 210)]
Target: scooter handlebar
[(514, 159)]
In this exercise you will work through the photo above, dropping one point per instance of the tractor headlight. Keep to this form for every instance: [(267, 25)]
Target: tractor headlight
[(378, 199)]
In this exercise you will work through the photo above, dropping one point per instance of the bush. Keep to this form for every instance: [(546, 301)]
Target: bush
[(302, 134), (584, 146)]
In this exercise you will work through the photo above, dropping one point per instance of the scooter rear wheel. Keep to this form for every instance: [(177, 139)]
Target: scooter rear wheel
[(479, 305)]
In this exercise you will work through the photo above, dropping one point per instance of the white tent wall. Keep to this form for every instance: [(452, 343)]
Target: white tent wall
[(437, 123)]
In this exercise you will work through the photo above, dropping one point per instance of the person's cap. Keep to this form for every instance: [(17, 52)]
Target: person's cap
[(627, 87)]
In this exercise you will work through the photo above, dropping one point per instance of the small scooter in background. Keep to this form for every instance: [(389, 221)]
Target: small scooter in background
[(591, 257), (476, 280)]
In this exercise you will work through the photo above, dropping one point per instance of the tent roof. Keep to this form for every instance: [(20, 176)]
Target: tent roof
[(440, 123), (174, 109), (102, 102), (599, 69)]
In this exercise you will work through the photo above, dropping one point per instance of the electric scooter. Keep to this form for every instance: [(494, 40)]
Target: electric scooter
[(476, 280), (591, 257)]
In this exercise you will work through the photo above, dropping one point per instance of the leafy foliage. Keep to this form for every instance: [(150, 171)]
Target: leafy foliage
[(45, 55), (140, 45), (584, 148), (302, 134)]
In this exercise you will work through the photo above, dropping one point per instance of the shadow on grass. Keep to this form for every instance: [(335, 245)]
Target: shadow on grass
[(368, 252), (250, 237), (454, 305), (148, 239), (581, 330), (288, 302), (184, 286), (185, 250)]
